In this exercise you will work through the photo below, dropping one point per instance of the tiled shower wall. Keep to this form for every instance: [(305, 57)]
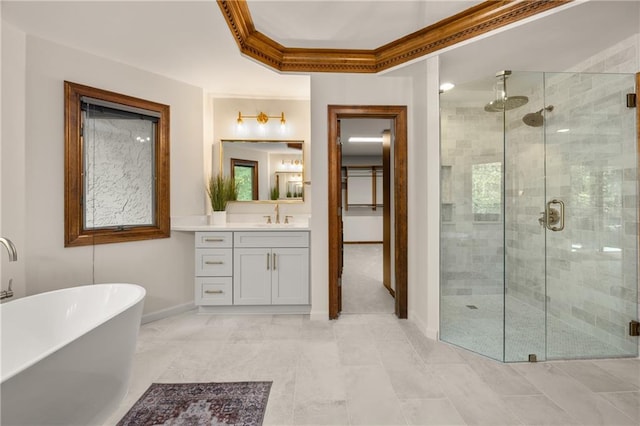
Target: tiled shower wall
[(472, 252)]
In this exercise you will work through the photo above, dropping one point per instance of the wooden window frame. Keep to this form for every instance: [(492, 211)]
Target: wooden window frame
[(74, 232)]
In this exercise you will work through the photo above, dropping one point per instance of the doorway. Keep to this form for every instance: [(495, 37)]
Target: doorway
[(396, 229), (366, 281)]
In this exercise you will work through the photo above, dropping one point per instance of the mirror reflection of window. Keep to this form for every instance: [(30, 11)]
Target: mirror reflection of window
[(280, 162), (245, 175)]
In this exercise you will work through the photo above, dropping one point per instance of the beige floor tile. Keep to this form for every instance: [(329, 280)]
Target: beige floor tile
[(320, 384), (595, 378), (414, 381), (624, 369), (474, 400), (538, 410), (321, 413), (572, 396), (431, 412), (371, 399), (627, 402), (358, 352)]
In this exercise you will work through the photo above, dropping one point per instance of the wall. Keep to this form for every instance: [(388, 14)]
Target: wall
[(164, 267), (13, 223), (362, 223), (340, 89)]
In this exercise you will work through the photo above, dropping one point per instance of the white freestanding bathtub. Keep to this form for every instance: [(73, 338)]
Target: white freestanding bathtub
[(67, 354)]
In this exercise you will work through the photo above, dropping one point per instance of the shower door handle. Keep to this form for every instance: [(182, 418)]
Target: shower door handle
[(553, 216)]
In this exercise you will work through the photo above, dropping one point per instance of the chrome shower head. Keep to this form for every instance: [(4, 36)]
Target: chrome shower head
[(502, 102), (535, 119), (506, 104)]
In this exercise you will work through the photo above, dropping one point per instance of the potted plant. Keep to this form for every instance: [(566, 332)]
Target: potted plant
[(275, 193), (221, 189)]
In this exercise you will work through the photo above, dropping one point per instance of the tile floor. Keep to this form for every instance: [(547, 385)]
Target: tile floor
[(373, 369), (362, 288), (369, 368)]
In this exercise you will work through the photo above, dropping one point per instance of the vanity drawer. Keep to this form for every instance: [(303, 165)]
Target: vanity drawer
[(214, 291), (214, 262), (211, 239), (271, 239)]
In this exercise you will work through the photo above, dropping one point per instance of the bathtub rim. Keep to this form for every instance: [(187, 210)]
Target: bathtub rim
[(141, 293)]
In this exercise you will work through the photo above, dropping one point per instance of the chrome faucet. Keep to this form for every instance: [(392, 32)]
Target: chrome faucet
[(11, 249), (277, 213), (5, 294)]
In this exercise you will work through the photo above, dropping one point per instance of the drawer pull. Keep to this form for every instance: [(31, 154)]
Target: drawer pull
[(213, 240), (274, 261), (268, 256), (214, 291), (214, 262)]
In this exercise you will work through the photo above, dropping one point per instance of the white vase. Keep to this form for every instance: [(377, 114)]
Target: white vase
[(218, 218)]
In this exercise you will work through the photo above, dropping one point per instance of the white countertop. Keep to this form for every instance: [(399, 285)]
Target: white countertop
[(199, 223)]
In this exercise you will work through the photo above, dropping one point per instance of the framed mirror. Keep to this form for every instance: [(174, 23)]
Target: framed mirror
[(265, 170), (116, 167)]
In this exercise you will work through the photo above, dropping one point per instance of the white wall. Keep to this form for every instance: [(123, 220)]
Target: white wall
[(12, 177), (339, 89), (165, 266)]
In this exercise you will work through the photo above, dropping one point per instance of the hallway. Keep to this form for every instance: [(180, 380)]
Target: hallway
[(362, 288)]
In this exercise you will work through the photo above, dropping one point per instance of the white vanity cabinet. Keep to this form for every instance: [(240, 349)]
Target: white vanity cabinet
[(251, 268), (214, 268), (271, 268)]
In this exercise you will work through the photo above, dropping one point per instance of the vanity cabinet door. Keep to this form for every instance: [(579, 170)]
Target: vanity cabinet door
[(290, 276), (252, 276)]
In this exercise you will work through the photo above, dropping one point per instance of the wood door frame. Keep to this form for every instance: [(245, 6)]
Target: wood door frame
[(397, 113)]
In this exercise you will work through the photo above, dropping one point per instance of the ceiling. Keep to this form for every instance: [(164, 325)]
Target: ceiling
[(348, 24), (191, 42)]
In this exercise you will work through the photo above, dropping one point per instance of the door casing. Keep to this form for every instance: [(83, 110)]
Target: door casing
[(397, 113)]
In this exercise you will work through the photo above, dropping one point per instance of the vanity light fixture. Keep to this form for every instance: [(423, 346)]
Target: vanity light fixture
[(261, 118)]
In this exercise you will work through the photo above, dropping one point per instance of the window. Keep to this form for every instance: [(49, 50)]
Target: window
[(486, 192), (116, 167)]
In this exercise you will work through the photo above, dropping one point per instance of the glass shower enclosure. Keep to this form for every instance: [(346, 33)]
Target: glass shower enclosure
[(539, 226)]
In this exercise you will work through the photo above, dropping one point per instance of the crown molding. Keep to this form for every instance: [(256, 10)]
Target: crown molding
[(480, 19)]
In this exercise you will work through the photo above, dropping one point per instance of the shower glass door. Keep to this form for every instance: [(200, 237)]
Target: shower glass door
[(539, 234), (591, 188)]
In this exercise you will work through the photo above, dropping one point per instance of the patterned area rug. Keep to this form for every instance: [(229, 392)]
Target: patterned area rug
[(181, 404)]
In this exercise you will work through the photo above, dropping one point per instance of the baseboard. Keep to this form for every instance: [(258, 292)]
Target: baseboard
[(319, 316), (168, 312), (428, 332), (255, 309), (432, 334)]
